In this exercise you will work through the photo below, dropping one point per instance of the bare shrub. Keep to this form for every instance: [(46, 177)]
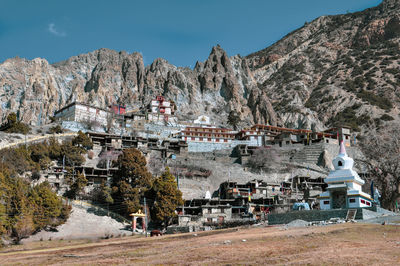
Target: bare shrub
[(382, 152), (91, 155), (264, 158)]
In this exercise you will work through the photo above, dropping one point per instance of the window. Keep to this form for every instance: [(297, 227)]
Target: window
[(201, 139), (192, 138), (209, 139), (352, 200), (326, 202), (368, 203), (225, 140), (222, 210), (363, 201), (340, 163)]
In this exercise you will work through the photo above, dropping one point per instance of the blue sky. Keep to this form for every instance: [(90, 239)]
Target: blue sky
[(181, 31)]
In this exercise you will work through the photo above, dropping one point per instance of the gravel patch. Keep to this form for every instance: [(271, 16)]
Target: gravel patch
[(297, 223), (83, 224)]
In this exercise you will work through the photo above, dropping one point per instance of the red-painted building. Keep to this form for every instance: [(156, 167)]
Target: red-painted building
[(118, 109), (208, 134)]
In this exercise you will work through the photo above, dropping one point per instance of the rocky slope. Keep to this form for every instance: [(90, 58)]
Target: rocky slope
[(336, 69)]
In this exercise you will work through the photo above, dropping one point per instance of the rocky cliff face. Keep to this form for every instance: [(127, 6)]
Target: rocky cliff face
[(335, 70)]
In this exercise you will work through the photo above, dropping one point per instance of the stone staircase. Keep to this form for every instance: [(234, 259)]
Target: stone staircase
[(308, 154)]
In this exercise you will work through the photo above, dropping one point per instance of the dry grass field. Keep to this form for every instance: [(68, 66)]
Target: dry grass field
[(342, 244)]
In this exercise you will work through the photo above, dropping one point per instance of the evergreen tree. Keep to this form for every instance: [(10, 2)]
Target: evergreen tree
[(77, 186), (15, 126), (102, 194), (72, 154), (167, 197), (131, 181), (46, 205), (20, 211), (4, 201), (132, 169), (233, 119), (25, 209), (82, 141), (12, 119), (126, 198)]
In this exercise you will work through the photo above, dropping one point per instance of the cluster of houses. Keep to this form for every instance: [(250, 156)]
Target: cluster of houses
[(234, 201), (200, 134)]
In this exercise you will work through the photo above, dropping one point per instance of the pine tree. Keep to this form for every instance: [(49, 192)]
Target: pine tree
[(167, 197), (132, 169), (46, 205), (126, 198), (82, 141), (4, 189), (102, 194), (233, 119), (77, 186), (131, 181)]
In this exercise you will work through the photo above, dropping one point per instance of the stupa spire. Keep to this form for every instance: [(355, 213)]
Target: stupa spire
[(342, 148)]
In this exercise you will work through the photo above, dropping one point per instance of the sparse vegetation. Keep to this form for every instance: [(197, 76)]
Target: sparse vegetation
[(348, 117), (56, 130), (166, 198), (25, 209), (14, 126)]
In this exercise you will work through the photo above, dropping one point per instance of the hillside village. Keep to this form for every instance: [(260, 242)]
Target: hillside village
[(226, 176), (234, 155)]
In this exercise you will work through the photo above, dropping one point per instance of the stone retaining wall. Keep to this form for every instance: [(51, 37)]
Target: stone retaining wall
[(313, 215)]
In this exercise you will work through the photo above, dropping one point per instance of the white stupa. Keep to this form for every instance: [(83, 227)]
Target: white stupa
[(344, 186)]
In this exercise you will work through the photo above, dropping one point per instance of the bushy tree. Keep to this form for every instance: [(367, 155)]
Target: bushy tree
[(39, 153), (131, 181), (12, 119), (4, 202), (166, 197), (54, 148), (132, 169), (264, 158), (233, 119), (102, 194), (72, 155), (77, 186), (17, 160), (126, 198), (15, 126), (83, 141), (56, 130), (25, 209), (47, 206), (382, 152)]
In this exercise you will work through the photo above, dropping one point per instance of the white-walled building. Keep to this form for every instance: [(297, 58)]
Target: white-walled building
[(161, 110), (203, 120), (81, 112), (344, 185)]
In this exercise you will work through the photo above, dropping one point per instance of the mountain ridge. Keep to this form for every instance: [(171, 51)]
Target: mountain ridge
[(341, 69)]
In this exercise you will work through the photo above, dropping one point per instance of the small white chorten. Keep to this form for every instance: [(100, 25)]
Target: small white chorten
[(344, 185)]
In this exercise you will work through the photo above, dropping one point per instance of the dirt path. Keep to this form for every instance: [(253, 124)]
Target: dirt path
[(359, 244)]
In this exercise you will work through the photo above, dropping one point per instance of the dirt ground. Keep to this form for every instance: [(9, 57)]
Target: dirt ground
[(342, 244)]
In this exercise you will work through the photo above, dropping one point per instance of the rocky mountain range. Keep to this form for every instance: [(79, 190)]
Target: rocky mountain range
[(342, 69)]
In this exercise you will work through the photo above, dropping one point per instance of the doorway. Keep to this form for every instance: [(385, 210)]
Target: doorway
[(339, 200)]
